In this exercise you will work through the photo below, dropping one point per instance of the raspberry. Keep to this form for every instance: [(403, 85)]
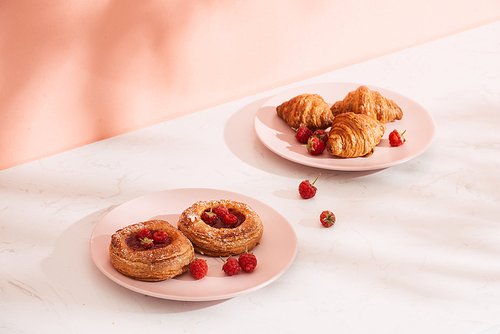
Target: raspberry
[(230, 220), (247, 262), (307, 190), (146, 243), (160, 236), (221, 211), (315, 145), (198, 268), (327, 218), (231, 266), (302, 134), (209, 217), (396, 138), (144, 233), (321, 134)]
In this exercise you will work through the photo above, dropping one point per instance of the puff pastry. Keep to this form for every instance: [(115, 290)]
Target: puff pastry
[(368, 102), (354, 135), (161, 262), (306, 109), (221, 241)]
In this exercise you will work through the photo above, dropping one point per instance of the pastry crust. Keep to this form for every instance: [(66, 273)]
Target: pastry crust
[(368, 102), (212, 241), (155, 264), (354, 135), (306, 109)]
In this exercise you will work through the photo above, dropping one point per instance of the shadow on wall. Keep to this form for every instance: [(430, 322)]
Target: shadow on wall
[(70, 71)]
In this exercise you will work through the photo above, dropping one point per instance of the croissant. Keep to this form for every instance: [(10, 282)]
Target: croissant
[(354, 135), (370, 103), (306, 109)]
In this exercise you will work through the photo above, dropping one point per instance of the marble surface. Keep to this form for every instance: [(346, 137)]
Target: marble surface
[(415, 248)]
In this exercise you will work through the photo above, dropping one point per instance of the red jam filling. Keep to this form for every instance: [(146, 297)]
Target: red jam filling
[(220, 223), (134, 243)]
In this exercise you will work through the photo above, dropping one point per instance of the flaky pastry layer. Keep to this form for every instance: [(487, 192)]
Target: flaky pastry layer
[(370, 103), (221, 241), (155, 264), (354, 135), (306, 109)]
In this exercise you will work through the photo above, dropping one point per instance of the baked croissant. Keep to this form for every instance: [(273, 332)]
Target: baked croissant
[(370, 103), (354, 135), (306, 109)]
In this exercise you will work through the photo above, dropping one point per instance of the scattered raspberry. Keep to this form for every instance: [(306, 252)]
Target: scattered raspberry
[(144, 233), (160, 236), (247, 262), (209, 217), (327, 218), (230, 220), (146, 242), (221, 211), (396, 138), (306, 189), (198, 268), (302, 134), (321, 134), (315, 146), (231, 266)]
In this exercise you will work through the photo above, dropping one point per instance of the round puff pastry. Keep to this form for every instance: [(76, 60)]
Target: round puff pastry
[(223, 241), (151, 264)]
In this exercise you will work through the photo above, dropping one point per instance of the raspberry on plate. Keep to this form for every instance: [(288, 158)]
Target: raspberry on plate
[(247, 262), (315, 145), (303, 134), (321, 134), (396, 138), (231, 266), (198, 268), (308, 190), (327, 218)]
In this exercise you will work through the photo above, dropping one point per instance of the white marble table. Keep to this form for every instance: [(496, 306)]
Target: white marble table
[(415, 250)]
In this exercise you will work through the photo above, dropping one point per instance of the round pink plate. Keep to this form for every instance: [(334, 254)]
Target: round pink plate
[(278, 136), (275, 253)]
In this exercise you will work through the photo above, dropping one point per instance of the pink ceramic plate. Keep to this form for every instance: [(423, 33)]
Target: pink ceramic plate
[(277, 136), (275, 253)]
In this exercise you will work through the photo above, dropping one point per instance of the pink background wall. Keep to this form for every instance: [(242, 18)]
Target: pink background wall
[(74, 72)]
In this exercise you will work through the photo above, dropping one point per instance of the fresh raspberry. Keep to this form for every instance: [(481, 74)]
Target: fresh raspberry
[(230, 220), (144, 233), (302, 134), (321, 134), (231, 266), (209, 217), (146, 243), (198, 268), (160, 236), (221, 211), (315, 145), (396, 138), (308, 190), (327, 218), (247, 262)]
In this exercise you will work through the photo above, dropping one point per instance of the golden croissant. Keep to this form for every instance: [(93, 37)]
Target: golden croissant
[(354, 135), (370, 103), (306, 109)]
